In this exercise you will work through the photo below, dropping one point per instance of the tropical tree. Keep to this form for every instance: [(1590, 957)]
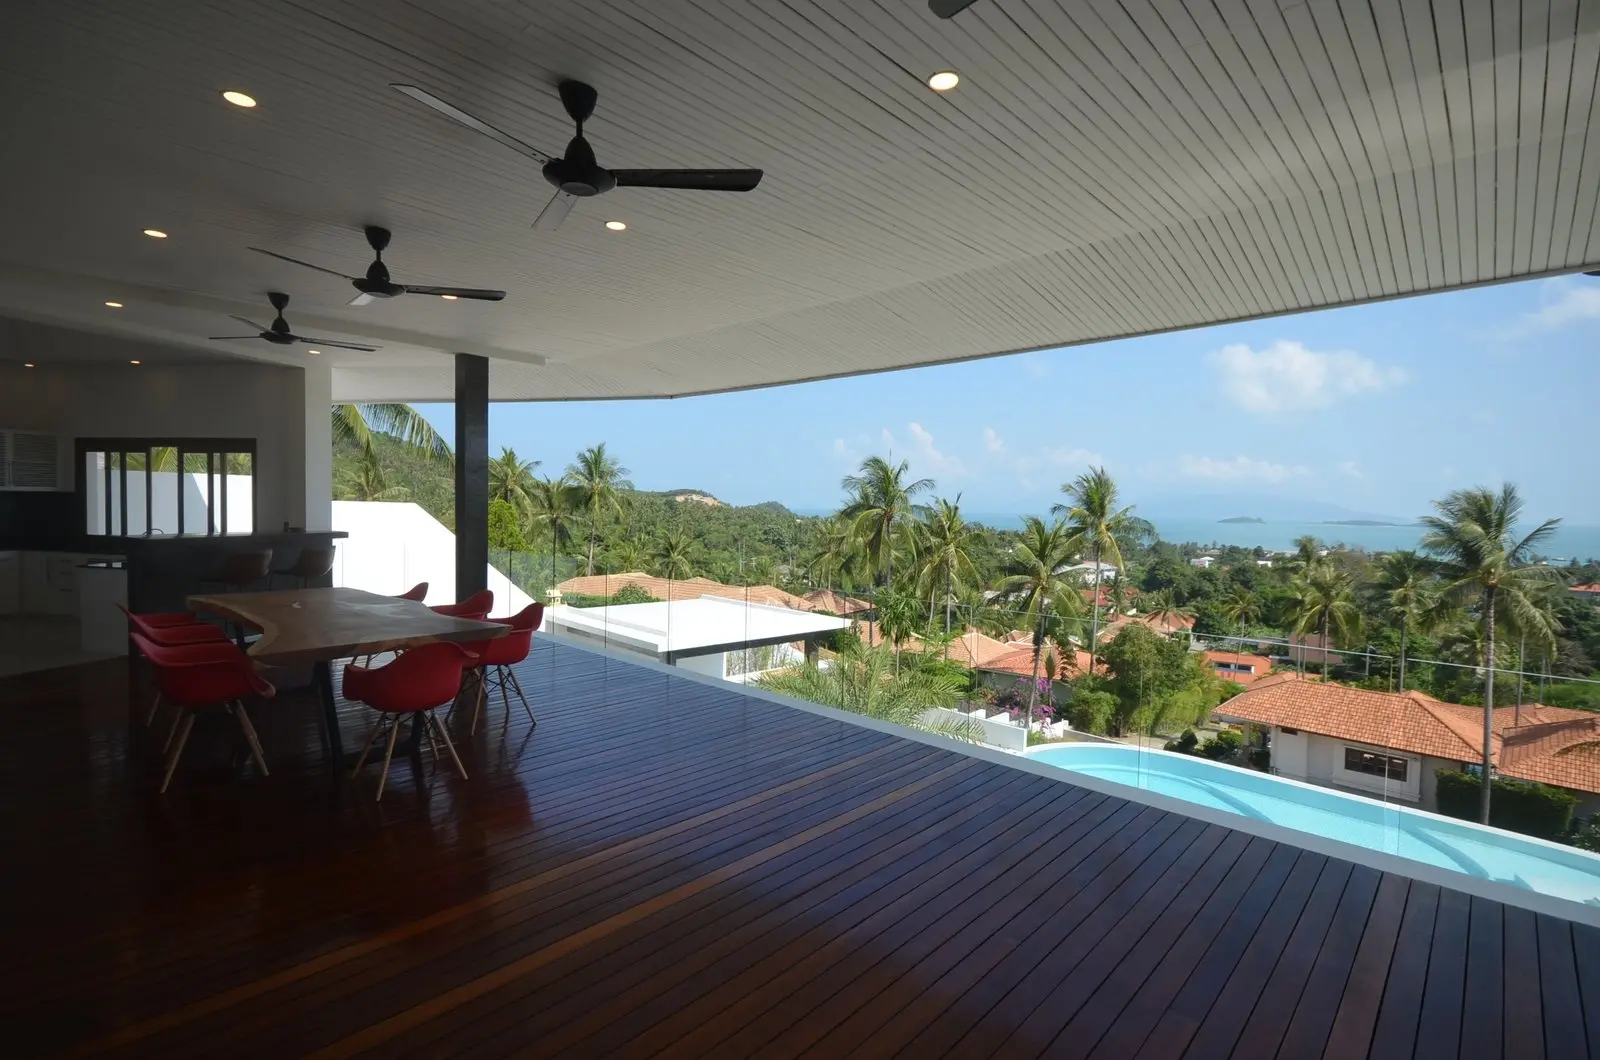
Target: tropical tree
[(553, 509), (1098, 526), (881, 497), (356, 422), (1037, 584), (1326, 604), (366, 481), (1306, 551), (511, 479), (836, 555), (862, 680), (628, 554), (1405, 588), (1242, 607), (600, 479), (945, 541), (1161, 607), (674, 554), (1482, 561), (898, 615)]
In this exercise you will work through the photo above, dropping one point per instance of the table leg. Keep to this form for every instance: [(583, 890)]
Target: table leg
[(322, 674)]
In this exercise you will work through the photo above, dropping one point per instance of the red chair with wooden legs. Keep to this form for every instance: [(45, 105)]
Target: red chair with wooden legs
[(477, 605), (496, 658), (414, 684), (199, 676), (418, 592), (172, 629)]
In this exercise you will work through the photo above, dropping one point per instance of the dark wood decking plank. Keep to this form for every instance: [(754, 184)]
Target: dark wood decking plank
[(1444, 994), (1524, 1014), (1307, 1033), (1586, 956), (1395, 1035), (1564, 1033), (1482, 1015), (1361, 993)]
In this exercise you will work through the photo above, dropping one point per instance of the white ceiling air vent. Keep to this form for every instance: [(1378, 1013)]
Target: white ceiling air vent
[(33, 461)]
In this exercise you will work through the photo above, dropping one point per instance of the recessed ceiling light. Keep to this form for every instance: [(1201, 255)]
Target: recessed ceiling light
[(448, 297), (133, 362), (239, 99), (114, 305), (155, 233), (617, 226), (944, 80), (315, 353), (28, 365)]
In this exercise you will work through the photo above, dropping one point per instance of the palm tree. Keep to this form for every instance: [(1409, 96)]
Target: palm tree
[(1098, 526), (945, 543), (836, 555), (356, 422), (1326, 602), (554, 505), (1242, 609), (1405, 582), (629, 554), (674, 554), (1473, 535), (367, 482), (1305, 551), (1161, 607), (1038, 585), (861, 679), (600, 479), (511, 479), (881, 496)]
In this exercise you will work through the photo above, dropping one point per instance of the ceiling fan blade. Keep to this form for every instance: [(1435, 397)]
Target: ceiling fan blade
[(336, 345), (555, 211), (361, 299), (949, 8), (456, 292), (297, 261), (689, 179), (248, 323), (230, 338), (455, 113)]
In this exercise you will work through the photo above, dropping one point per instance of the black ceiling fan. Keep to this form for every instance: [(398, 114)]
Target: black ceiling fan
[(376, 283), (278, 331), (576, 174), (949, 8)]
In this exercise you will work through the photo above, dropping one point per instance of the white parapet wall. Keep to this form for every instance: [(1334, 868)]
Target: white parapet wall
[(393, 545), (992, 731)]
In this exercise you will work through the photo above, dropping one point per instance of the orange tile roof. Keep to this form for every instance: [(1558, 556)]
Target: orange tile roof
[(1592, 587), (836, 603), (1551, 745), (1261, 665), (1020, 661), (681, 589), (1162, 622), (972, 649)]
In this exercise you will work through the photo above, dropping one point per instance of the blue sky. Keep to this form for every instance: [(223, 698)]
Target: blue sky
[(1374, 408)]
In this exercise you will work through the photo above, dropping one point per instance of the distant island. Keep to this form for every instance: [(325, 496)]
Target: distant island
[(1243, 519)]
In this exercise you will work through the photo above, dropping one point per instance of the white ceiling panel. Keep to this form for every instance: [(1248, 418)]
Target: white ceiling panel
[(1104, 169)]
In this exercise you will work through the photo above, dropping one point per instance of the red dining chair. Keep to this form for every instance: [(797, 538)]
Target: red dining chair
[(496, 658), (201, 676), (415, 683), (417, 592), (477, 605), (172, 629)]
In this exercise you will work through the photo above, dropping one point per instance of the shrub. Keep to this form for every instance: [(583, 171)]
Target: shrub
[(632, 594), (1515, 805), (1092, 712), (1184, 744), (1223, 746), (1260, 758)]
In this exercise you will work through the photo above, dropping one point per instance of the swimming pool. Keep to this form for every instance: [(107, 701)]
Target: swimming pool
[(1487, 853)]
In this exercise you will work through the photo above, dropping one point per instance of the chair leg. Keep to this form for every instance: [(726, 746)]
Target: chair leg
[(155, 705), (516, 686), (177, 750), (477, 707), (250, 737), (448, 746), (394, 734), (172, 730), (377, 727)]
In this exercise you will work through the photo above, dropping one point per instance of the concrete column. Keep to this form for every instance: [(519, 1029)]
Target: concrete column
[(472, 474), (317, 457)]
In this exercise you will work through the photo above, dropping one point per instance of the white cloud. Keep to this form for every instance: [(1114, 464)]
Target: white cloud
[(992, 441), (1352, 469), (927, 455), (1564, 300), (1287, 377), (1239, 468)]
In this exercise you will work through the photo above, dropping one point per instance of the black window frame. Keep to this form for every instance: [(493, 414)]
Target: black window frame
[(1377, 764), (216, 479)]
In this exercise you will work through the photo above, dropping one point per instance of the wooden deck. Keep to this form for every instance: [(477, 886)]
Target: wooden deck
[(667, 868)]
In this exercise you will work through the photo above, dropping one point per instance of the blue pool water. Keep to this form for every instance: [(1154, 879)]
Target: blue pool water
[(1488, 853)]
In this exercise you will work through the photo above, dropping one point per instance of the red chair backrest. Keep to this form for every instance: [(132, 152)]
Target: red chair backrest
[(418, 592), (196, 633), (530, 617), (475, 606), (423, 678), (198, 676), (504, 651)]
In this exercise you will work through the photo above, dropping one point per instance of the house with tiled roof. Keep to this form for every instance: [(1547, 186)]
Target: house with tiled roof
[(670, 589), (1240, 667), (1390, 745), (1590, 591), (835, 603)]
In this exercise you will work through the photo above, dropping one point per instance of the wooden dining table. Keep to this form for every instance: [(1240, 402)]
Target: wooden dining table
[(319, 626)]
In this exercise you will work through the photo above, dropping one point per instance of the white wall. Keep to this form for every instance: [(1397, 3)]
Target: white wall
[(710, 665), (394, 545), (117, 399), (1320, 760), (164, 499)]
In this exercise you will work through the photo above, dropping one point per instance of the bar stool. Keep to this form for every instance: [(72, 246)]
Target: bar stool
[(241, 571), (311, 564)]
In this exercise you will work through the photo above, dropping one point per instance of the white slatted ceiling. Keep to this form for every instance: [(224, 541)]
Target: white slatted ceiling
[(1108, 167)]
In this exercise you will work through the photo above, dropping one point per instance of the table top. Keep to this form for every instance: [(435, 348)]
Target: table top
[(311, 625)]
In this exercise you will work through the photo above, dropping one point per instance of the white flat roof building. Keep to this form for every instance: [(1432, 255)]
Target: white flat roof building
[(679, 629)]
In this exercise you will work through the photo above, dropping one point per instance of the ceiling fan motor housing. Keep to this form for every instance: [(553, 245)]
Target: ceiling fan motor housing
[(578, 173)]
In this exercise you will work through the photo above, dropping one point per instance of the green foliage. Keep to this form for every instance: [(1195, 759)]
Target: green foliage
[(1185, 744), (1585, 834), (632, 594), (505, 528), (1576, 697), (868, 681), (1146, 669), (1515, 805), (1092, 711), (1223, 746)]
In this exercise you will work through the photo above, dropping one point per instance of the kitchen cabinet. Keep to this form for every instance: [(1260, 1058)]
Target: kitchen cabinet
[(47, 583)]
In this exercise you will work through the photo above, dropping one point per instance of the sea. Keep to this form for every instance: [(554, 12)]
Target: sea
[(1569, 542)]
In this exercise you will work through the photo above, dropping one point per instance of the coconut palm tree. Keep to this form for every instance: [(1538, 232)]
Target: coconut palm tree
[(1326, 604), (356, 422), (511, 479), (1242, 608), (861, 679), (367, 482), (1098, 527), (945, 543), (628, 554), (600, 479), (881, 497), (1305, 551), (1472, 533), (674, 554), (1405, 587), (1037, 584), (836, 555), (553, 508)]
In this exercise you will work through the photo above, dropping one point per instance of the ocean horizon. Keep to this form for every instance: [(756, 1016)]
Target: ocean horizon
[(1569, 542)]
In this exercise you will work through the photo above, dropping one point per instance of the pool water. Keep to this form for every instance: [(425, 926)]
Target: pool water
[(1487, 853)]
